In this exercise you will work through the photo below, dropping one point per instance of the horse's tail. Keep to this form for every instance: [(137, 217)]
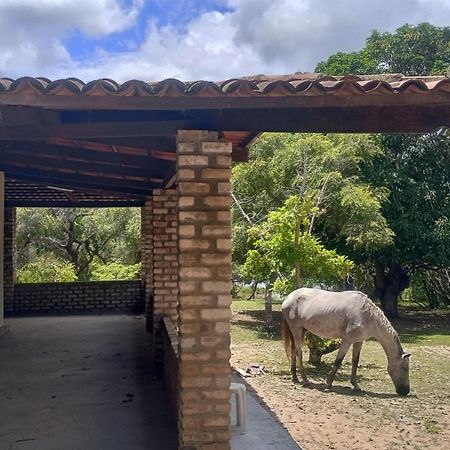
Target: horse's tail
[(288, 339)]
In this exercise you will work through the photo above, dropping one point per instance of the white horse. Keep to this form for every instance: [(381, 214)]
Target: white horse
[(350, 316)]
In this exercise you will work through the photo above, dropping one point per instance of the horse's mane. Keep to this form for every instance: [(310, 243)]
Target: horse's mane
[(378, 315)]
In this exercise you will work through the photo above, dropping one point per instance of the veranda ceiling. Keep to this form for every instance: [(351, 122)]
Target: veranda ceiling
[(66, 143)]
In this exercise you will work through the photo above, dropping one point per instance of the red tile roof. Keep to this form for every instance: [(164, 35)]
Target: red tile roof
[(277, 85)]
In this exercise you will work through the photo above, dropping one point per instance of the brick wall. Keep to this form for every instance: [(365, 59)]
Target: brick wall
[(9, 268), (147, 259), (77, 298), (170, 358), (165, 263)]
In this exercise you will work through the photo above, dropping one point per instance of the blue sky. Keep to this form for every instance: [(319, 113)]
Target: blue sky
[(162, 12), (191, 39)]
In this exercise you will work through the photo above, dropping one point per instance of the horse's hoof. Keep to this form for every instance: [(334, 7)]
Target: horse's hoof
[(328, 389), (357, 389), (295, 380), (306, 384)]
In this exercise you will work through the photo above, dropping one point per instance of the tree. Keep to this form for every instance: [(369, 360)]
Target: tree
[(293, 188), (345, 210), (411, 50), (355, 63), (83, 237), (417, 174), (412, 170), (285, 251)]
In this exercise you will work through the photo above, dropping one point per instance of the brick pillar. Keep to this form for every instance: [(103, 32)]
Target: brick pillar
[(9, 261), (165, 263), (204, 314), (147, 259)]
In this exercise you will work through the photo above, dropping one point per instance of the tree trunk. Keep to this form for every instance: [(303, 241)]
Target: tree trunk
[(391, 304), (389, 286), (254, 288), (315, 356), (268, 313), (298, 277), (319, 347)]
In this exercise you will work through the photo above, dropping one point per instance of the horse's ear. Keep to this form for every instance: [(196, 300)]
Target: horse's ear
[(406, 355)]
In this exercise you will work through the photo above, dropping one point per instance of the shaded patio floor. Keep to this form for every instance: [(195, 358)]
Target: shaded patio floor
[(81, 383)]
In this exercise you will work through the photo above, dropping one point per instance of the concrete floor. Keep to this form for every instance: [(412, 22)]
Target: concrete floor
[(263, 431), (81, 383), (86, 383)]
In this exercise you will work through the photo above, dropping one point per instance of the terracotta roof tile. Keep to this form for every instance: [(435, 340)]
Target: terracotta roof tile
[(258, 85)]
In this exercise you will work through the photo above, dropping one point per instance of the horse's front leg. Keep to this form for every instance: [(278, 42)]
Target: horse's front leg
[(355, 360), (343, 348)]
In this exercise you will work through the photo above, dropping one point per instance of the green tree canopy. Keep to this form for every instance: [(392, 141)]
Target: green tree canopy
[(328, 172), (412, 171), (422, 49), (82, 237)]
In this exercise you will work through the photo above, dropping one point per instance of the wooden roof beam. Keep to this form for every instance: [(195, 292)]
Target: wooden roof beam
[(57, 164), (20, 185), (57, 203), (94, 130), (62, 151), (49, 178)]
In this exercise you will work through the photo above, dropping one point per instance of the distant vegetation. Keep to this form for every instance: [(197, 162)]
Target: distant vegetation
[(77, 244)]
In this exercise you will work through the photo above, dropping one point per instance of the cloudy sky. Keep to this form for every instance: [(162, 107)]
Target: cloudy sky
[(191, 39)]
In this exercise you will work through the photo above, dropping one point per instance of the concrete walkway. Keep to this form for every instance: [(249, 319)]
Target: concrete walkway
[(263, 431), (86, 383), (81, 383)]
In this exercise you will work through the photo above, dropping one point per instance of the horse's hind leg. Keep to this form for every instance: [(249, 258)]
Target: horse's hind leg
[(355, 360), (343, 348), (294, 363), (299, 337)]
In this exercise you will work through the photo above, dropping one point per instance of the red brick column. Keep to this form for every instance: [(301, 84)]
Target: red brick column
[(147, 259), (204, 222), (165, 263), (9, 258)]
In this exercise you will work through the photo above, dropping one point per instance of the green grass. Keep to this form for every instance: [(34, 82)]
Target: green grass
[(430, 426)]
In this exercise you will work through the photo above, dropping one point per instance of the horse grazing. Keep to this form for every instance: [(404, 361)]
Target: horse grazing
[(349, 315)]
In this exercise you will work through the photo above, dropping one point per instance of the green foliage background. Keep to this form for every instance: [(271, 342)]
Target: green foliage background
[(68, 244)]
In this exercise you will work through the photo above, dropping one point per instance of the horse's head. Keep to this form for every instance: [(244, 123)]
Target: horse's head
[(398, 370)]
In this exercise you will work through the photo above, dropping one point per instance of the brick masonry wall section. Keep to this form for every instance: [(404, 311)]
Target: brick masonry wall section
[(9, 268), (165, 264), (204, 220), (78, 298), (170, 351), (147, 259)]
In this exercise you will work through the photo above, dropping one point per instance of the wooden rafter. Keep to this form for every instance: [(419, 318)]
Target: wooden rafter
[(29, 159), (93, 130), (79, 181), (144, 160)]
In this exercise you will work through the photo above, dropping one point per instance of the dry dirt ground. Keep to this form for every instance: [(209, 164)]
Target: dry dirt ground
[(375, 419)]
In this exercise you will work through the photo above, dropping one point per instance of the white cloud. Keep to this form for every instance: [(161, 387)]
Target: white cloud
[(204, 51), (33, 31), (257, 36), (300, 33)]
